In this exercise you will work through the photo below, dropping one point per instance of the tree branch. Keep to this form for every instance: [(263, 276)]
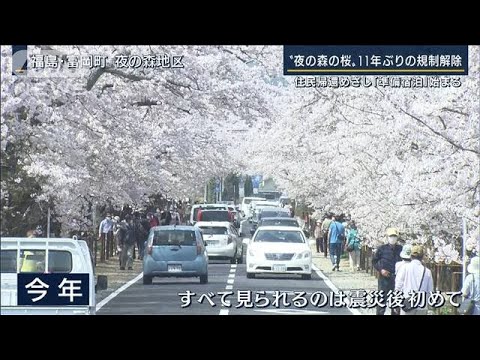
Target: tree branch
[(451, 142)]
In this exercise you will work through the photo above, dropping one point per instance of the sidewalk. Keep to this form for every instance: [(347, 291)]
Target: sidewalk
[(115, 277), (345, 280)]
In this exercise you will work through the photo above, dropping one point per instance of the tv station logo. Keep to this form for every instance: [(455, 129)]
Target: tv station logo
[(19, 60)]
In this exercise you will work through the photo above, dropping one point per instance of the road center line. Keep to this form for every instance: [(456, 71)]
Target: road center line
[(230, 281)]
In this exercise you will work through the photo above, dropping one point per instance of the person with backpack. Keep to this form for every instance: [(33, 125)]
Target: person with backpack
[(336, 237), (353, 247), (126, 255)]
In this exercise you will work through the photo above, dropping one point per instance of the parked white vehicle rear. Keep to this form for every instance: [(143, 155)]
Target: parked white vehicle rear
[(59, 273)]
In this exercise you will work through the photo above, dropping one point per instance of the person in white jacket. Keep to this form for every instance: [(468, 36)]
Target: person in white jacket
[(415, 278), (471, 285)]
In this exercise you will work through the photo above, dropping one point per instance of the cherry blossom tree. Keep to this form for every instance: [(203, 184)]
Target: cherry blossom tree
[(389, 157), (117, 134)]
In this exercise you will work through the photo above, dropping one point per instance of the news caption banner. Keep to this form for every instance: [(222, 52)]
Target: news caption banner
[(320, 299), (35, 63), (356, 66), (52, 289)]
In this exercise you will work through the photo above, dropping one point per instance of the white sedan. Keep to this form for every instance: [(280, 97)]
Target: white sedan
[(279, 250)]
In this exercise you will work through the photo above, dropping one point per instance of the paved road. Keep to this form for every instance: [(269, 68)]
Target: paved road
[(272, 294), (162, 297)]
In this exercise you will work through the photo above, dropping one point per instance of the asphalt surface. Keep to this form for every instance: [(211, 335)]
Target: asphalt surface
[(263, 295)]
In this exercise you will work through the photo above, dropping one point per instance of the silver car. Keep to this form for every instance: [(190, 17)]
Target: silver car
[(222, 239)]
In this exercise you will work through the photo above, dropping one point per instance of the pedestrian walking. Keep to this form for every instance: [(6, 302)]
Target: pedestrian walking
[(471, 286), (414, 277), (384, 261)]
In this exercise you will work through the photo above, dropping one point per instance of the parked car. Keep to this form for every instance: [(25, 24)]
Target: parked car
[(51, 259), (279, 250), (223, 240), (175, 251)]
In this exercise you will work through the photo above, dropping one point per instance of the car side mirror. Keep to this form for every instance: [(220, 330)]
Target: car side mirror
[(246, 241)]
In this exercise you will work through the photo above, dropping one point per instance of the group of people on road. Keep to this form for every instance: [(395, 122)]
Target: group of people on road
[(400, 268), (132, 231), (335, 234)]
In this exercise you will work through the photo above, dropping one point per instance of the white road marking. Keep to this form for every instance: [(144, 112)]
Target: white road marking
[(334, 288), (230, 281), (118, 291)]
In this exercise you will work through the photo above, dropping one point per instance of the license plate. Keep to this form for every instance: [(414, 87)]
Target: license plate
[(279, 268), (174, 268), (212, 242)]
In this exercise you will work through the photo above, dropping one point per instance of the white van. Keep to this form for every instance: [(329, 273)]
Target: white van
[(197, 207), (41, 276), (246, 202)]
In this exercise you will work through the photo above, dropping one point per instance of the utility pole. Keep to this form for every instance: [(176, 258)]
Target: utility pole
[(464, 249), (48, 222)]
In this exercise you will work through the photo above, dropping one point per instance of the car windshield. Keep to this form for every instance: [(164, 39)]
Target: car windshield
[(270, 213), (279, 222), (213, 230), (213, 215), (279, 236), (174, 237)]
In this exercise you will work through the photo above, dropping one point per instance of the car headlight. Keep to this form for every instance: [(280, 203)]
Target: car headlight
[(303, 255)]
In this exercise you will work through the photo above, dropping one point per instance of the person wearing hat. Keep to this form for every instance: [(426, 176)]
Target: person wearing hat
[(471, 285), (414, 277), (406, 256), (384, 261), (318, 236)]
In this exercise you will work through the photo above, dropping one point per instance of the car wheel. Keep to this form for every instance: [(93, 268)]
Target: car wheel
[(147, 280), (204, 279), (306, 276), (250, 275)]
